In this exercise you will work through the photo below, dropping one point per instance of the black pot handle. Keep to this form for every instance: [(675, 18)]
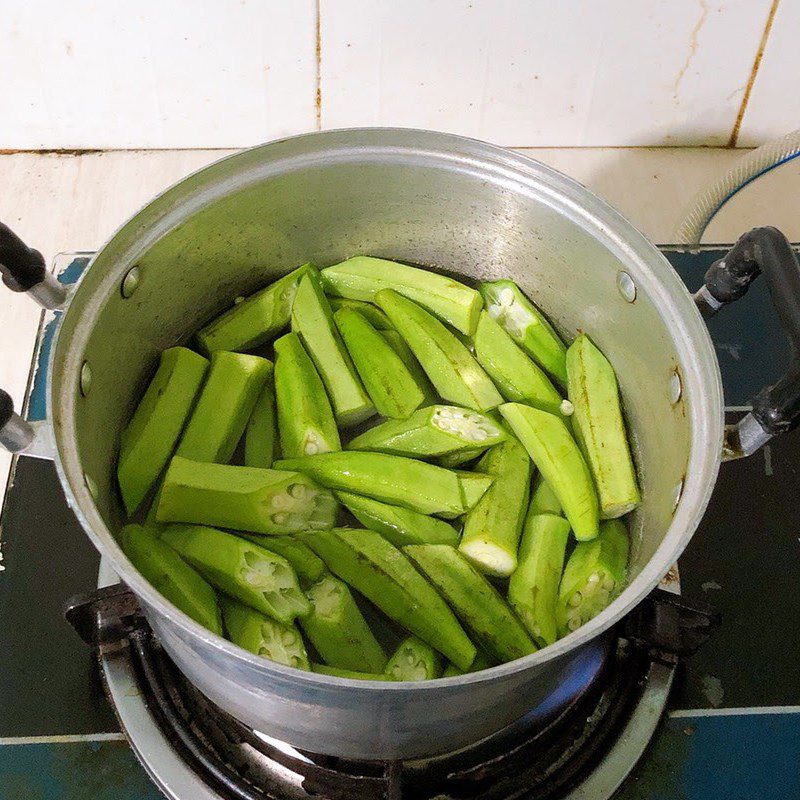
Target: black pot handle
[(23, 270), (15, 433), (776, 408)]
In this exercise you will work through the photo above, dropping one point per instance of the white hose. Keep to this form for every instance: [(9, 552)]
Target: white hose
[(751, 166)]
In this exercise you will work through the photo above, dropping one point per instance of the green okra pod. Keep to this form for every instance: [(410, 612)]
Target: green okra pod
[(533, 587), (244, 498), (255, 320), (451, 368), (304, 561), (392, 479), (414, 660), (338, 630), (362, 277), (259, 435), (460, 457), (474, 486), (336, 672), (170, 575), (253, 631), (543, 499), (257, 577), (153, 431), (398, 525), (595, 575), (478, 605), (481, 662), (230, 393), (305, 417), (398, 344), (493, 527), (526, 325), (312, 320), (600, 428), (379, 571), (370, 312), (388, 382), (551, 447)]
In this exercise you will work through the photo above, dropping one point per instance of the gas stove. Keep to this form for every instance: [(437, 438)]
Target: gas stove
[(723, 724)]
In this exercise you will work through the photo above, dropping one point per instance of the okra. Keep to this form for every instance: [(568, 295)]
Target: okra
[(388, 382), (550, 445), (515, 375), (244, 498), (451, 368), (170, 575), (338, 630), (526, 325), (153, 431), (398, 525), (533, 588), (304, 561), (600, 428), (257, 577), (361, 278), (543, 499), (370, 312), (398, 344), (475, 601), (474, 486), (259, 435), (433, 431), (481, 662), (312, 320), (392, 479), (305, 417), (492, 528), (324, 669), (256, 319), (252, 631), (379, 571), (218, 421), (414, 660), (460, 457), (594, 576)]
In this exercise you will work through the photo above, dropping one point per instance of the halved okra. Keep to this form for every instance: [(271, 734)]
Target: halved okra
[(600, 428), (533, 588), (398, 525), (153, 431), (256, 319), (399, 345), (362, 277), (257, 577), (312, 320), (482, 661), (526, 325), (451, 368), (324, 669), (305, 562), (474, 486), (338, 630), (370, 312), (244, 498), (388, 382), (253, 631), (414, 660), (378, 570), (478, 605), (428, 432), (517, 377), (492, 528), (218, 421), (305, 417), (543, 499), (594, 575), (259, 435), (550, 445), (170, 575), (392, 479)]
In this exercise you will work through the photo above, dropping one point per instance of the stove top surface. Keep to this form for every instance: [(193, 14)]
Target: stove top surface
[(733, 725)]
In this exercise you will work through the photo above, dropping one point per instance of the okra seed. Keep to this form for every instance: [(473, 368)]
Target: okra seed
[(280, 518), (566, 408), (311, 448), (294, 661), (575, 600), (280, 502), (288, 638), (573, 623), (263, 651), (494, 312), (480, 435), (297, 490), (593, 578), (506, 296), (608, 584)]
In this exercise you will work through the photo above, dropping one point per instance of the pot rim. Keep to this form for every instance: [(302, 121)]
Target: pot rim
[(700, 374)]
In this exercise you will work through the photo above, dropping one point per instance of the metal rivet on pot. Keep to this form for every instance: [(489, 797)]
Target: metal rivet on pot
[(675, 387), (626, 286), (678, 493), (91, 485), (86, 378), (130, 283)]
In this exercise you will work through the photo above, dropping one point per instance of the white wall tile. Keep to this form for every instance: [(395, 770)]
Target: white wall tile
[(774, 106), (180, 73), (541, 73)]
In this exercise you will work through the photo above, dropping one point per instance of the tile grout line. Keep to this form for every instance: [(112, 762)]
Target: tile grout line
[(737, 125), (318, 57), (67, 738)]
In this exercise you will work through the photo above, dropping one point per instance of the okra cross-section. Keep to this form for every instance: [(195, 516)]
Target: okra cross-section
[(244, 498), (433, 431), (379, 571), (450, 366), (362, 277), (256, 577), (305, 417), (392, 479), (475, 601), (414, 660), (305, 562)]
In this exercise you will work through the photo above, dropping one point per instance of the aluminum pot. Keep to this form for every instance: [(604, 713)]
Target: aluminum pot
[(460, 206)]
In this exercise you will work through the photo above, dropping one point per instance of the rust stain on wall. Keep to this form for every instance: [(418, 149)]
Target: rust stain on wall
[(694, 38)]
